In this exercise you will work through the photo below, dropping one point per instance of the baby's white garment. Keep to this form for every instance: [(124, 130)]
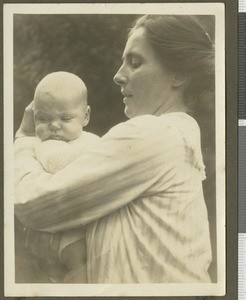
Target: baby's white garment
[(54, 155)]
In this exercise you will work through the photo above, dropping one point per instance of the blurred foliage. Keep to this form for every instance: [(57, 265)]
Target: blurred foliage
[(91, 47)]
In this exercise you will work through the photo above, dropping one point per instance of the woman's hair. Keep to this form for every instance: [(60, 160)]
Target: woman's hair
[(184, 47)]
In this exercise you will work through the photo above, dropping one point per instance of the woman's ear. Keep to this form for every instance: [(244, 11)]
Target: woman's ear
[(87, 115)]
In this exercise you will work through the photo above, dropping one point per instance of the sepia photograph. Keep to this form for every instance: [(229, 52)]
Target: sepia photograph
[(115, 149)]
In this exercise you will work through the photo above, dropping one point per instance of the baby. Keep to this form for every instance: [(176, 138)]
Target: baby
[(60, 113)]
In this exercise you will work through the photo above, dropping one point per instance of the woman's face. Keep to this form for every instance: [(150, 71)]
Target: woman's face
[(145, 84)]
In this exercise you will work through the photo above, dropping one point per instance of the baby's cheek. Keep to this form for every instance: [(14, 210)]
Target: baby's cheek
[(41, 132)]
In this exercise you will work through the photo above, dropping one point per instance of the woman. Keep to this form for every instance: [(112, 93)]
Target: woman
[(140, 190)]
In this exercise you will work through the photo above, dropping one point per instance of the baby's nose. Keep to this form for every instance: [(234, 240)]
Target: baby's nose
[(55, 125)]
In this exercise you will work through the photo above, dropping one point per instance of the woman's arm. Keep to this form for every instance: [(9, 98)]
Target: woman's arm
[(123, 166), (25, 160)]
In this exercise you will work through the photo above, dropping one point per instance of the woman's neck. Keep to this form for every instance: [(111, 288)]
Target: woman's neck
[(173, 104)]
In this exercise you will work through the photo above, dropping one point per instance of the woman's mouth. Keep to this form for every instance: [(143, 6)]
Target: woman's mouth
[(126, 96)]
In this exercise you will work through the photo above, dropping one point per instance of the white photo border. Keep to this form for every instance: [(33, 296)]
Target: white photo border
[(13, 289)]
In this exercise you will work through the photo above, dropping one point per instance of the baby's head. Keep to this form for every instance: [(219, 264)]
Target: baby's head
[(60, 107)]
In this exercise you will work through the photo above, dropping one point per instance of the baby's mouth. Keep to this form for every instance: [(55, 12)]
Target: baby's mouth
[(55, 137)]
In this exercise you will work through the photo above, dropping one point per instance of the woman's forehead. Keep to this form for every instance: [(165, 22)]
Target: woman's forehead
[(138, 46), (136, 42)]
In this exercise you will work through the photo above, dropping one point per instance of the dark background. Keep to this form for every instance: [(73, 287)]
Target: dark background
[(91, 47)]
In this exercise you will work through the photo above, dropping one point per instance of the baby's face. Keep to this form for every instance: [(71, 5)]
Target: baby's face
[(59, 118)]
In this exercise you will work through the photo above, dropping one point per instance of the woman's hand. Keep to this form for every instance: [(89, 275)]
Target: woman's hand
[(27, 127)]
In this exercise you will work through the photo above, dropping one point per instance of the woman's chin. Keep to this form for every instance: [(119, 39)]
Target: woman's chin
[(129, 113)]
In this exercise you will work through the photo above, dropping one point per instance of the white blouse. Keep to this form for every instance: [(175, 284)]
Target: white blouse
[(139, 189)]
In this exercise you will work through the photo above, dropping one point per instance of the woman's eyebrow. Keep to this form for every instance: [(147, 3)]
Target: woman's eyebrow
[(132, 54)]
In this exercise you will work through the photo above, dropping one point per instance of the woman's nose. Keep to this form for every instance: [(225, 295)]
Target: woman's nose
[(120, 77)]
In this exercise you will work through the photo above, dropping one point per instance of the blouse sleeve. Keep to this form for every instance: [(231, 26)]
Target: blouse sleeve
[(122, 166), (25, 160)]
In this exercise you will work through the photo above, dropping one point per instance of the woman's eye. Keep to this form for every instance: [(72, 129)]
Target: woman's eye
[(135, 63)]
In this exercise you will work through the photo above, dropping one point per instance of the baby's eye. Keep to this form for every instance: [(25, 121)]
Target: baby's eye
[(66, 118), (43, 119)]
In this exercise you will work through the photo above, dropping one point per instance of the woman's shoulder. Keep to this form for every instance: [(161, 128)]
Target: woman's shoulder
[(141, 125), (185, 125), (173, 126), (170, 121), (182, 121), (189, 132)]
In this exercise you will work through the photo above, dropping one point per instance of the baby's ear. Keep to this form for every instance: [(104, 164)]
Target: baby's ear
[(87, 115)]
